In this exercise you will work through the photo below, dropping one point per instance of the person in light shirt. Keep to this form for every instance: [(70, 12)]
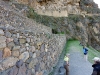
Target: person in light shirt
[(66, 63)]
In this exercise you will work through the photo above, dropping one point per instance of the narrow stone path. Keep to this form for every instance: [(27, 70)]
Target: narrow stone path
[(78, 65)]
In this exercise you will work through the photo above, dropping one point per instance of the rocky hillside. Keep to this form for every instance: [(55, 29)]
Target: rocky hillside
[(78, 19)]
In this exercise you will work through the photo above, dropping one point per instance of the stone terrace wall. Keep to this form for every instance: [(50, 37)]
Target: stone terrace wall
[(10, 18), (25, 53), (26, 47)]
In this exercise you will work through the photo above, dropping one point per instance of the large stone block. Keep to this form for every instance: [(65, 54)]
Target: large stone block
[(11, 44), (19, 63), (9, 40), (1, 55), (32, 49), (16, 47), (8, 34), (33, 63), (16, 41), (15, 53), (22, 70), (2, 39), (9, 62), (24, 56), (7, 52), (29, 72), (1, 32), (22, 40)]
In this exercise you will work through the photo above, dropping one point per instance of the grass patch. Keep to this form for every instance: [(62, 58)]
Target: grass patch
[(92, 53)]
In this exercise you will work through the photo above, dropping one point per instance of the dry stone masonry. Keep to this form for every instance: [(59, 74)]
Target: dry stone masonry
[(28, 53), (26, 47)]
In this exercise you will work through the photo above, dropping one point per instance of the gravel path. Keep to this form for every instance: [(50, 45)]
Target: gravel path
[(78, 65)]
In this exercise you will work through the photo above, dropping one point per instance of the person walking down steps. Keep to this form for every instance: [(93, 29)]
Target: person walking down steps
[(66, 63), (85, 51)]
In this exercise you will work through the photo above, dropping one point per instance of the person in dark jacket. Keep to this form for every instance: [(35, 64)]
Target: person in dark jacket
[(96, 66)]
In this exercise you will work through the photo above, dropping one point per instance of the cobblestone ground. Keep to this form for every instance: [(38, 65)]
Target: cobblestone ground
[(78, 65)]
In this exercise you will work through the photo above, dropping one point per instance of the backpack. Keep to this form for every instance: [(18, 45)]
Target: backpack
[(85, 50)]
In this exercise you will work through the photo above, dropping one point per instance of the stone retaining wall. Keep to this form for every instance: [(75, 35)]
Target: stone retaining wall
[(26, 47), (10, 18), (27, 53)]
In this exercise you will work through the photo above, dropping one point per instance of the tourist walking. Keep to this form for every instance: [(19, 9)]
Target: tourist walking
[(66, 63), (85, 51)]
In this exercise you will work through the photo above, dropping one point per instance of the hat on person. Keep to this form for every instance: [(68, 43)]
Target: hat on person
[(67, 54), (96, 59)]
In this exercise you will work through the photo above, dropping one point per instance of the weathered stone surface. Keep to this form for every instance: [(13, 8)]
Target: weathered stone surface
[(18, 35), (42, 48), (39, 45), (24, 56), (16, 41), (34, 55), (7, 52), (27, 44), (31, 54), (2, 41), (22, 50), (28, 40), (8, 34), (32, 49), (2, 45), (22, 70), (13, 71), (11, 44), (39, 73), (22, 40), (9, 62), (96, 30), (15, 53), (37, 67), (28, 60), (33, 71), (9, 40), (1, 32), (27, 48), (1, 55), (29, 72), (33, 63), (19, 63), (1, 68), (42, 65), (16, 47)]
